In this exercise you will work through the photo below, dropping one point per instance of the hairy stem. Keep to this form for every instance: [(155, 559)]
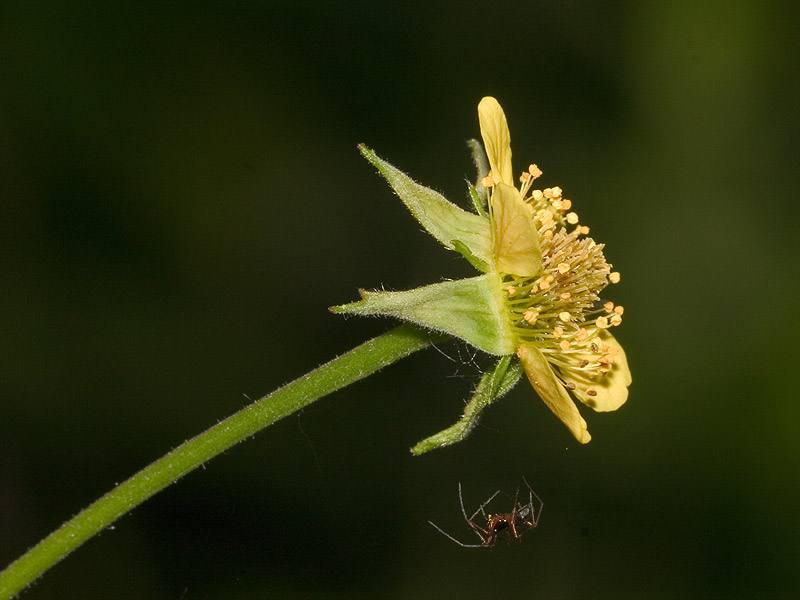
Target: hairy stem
[(340, 372)]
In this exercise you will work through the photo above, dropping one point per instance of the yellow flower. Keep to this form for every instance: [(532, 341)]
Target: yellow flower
[(552, 279), (538, 297)]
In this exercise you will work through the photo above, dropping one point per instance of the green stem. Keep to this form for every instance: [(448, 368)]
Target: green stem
[(344, 370)]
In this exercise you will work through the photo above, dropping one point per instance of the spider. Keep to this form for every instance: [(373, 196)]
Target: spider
[(521, 518)]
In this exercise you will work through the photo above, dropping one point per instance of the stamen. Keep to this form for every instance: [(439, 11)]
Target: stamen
[(614, 277)]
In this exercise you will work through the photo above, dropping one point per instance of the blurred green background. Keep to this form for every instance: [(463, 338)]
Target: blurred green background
[(181, 199)]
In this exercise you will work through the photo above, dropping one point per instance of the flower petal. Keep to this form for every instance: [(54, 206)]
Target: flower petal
[(550, 390), (497, 139), (611, 390), (516, 241)]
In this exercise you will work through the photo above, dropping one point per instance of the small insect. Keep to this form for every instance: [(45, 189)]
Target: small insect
[(522, 518)]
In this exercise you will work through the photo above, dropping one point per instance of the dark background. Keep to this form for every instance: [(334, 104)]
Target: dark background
[(181, 199)]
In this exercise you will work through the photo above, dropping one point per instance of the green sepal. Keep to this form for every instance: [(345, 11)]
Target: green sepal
[(481, 162), (441, 218), (471, 309), (493, 385), (476, 200), (476, 262)]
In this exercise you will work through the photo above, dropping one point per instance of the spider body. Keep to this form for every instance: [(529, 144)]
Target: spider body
[(522, 518)]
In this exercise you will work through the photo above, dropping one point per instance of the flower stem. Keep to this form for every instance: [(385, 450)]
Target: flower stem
[(340, 372)]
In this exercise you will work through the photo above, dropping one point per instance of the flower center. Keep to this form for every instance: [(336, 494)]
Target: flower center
[(560, 310)]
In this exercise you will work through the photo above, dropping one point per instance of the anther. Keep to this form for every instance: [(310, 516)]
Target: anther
[(591, 392), (602, 323), (565, 316), (564, 345), (558, 331), (563, 268), (572, 218), (613, 277)]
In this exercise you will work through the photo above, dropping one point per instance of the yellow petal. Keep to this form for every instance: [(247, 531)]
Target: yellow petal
[(552, 392), (496, 139), (516, 241), (611, 390)]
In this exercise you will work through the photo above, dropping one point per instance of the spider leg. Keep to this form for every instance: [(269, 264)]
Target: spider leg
[(534, 516), (482, 506), (479, 531), (452, 539), (512, 523)]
